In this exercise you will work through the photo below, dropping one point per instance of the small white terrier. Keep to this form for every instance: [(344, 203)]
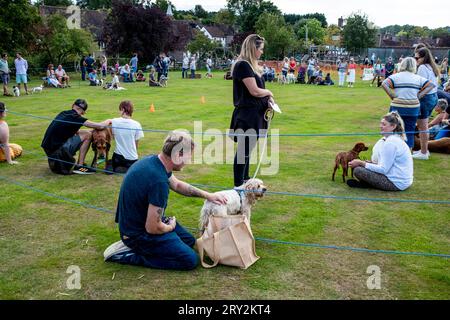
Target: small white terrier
[(239, 202), (16, 91), (37, 89)]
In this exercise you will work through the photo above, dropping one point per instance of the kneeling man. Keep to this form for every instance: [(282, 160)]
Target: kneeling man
[(149, 237)]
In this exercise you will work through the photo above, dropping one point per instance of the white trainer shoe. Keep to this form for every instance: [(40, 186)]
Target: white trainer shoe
[(418, 151), (116, 248), (421, 156)]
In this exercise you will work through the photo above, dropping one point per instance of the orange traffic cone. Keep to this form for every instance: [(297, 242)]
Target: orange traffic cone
[(152, 108), (202, 100)]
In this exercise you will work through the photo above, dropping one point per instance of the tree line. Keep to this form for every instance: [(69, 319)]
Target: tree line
[(142, 26)]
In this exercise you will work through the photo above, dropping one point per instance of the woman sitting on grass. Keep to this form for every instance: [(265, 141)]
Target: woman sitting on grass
[(391, 168), (51, 77), (140, 76), (127, 132), (152, 80)]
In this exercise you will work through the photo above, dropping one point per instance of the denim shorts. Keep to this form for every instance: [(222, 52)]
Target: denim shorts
[(21, 78), (5, 78), (427, 105), (72, 145)]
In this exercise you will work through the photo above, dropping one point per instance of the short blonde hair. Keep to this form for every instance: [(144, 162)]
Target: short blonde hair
[(177, 139), (408, 64)]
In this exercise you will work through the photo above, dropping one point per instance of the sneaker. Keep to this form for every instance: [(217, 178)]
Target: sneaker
[(421, 156), (353, 183), (116, 251), (78, 169), (418, 151)]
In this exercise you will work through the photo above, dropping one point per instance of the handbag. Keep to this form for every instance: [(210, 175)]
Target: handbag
[(228, 240)]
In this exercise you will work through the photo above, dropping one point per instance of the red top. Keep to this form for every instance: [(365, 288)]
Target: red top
[(292, 64), (352, 66)]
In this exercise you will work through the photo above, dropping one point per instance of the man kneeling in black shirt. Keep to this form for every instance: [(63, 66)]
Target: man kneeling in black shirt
[(64, 138)]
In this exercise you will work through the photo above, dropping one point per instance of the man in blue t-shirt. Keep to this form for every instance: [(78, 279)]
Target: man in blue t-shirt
[(148, 237)]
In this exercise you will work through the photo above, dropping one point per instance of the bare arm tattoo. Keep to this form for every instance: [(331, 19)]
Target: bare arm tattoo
[(160, 212), (189, 191)]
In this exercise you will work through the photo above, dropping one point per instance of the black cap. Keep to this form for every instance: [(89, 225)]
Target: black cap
[(2, 107), (81, 103)]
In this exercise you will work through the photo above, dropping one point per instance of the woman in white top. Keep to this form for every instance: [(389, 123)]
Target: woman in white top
[(51, 77), (391, 168), (127, 133), (430, 71)]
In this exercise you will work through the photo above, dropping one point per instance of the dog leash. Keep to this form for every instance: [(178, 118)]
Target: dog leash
[(268, 116)]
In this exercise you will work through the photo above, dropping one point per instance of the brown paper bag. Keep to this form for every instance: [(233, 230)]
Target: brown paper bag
[(229, 241)]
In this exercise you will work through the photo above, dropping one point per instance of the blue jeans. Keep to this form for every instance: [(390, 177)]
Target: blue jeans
[(184, 73), (443, 133), (427, 104), (410, 126), (172, 250)]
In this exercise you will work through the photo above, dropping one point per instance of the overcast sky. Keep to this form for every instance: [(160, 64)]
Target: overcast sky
[(430, 13)]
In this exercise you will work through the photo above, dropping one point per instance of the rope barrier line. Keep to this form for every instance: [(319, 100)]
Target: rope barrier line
[(54, 195), (232, 134), (293, 194), (306, 195), (313, 245)]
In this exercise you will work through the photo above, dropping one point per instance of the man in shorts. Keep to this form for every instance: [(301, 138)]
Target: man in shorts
[(21, 71), (63, 139)]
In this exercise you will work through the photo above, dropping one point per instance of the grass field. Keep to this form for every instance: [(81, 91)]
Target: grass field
[(40, 236)]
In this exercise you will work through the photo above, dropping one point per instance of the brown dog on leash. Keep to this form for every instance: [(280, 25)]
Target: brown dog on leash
[(343, 158), (101, 143)]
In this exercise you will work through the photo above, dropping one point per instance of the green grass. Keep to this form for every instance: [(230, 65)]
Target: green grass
[(41, 236)]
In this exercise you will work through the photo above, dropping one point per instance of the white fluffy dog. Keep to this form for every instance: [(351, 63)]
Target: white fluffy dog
[(290, 78), (16, 91), (37, 89), (239, 202)]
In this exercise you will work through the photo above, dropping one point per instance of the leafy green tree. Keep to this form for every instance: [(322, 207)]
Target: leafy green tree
[(312, 28), (357, 33), (55, 3), (225, 16), (200, 12), (93, 4), (331, 32), (249, 12), (295, 18), (17, 21), (440, 32), (202, 44), (280, 38), (59, 44), (163, 5)]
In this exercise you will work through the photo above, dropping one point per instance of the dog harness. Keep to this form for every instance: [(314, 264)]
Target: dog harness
[(241, 194)]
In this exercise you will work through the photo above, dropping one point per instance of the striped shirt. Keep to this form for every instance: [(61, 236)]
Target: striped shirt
[(405, 89)]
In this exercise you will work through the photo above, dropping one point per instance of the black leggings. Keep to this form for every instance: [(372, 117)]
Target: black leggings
[(241, 164), (374, 179), (119, 161)]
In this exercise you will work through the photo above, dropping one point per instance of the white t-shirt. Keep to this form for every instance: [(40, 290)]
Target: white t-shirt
[(126, 138), (60, 73), (427, 72), (394, 161), (115, 80)]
